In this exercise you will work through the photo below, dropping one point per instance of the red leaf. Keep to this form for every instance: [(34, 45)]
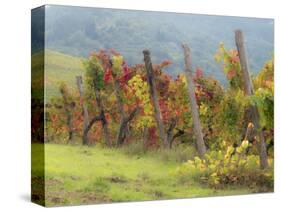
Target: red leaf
[(165, 63), (231, 74), (107, 75)]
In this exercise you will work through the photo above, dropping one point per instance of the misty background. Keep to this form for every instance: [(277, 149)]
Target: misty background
[(77, 31)]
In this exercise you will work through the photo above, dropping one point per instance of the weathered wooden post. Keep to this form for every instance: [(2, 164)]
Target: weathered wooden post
[(84, 109), (154, 97), (193, 104), (248, 89)]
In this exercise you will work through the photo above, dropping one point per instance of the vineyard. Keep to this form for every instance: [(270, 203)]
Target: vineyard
[(118, 132)]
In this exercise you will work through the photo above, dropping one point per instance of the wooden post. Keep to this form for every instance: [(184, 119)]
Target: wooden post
[(154, 97), (193, 104), (84, 109), (248, 89)]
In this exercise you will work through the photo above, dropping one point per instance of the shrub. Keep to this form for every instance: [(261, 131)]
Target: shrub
[(228, 167)]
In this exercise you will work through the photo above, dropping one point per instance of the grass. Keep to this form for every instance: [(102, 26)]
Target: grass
[(58, 67), (85, 175), (68, 67)]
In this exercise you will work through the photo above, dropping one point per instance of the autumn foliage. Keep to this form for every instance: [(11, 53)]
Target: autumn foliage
[(222, 109)]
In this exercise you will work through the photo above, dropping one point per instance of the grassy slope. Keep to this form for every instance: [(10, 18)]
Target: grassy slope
[(83, 175), (37, 75), (58, 67)]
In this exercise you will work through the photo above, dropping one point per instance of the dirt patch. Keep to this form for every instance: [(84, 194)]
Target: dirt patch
[(86, 152), (95, 198), (158, 194), (117, 179), (75, 198), (53, 182), (57, 200), (74, 178)]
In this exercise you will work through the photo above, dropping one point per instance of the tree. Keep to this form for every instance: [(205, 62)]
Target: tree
[(117, 62), (139, 91), (94, 78), (115, 68), (68, 105)]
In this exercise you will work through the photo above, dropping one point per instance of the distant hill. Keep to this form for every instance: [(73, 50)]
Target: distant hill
[(77, 31)]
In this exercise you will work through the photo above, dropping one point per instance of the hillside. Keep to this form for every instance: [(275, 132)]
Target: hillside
[(37, 75), (78, 31), (58, 67)]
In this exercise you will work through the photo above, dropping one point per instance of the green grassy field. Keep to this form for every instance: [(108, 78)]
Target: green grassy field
[(85, 175)]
